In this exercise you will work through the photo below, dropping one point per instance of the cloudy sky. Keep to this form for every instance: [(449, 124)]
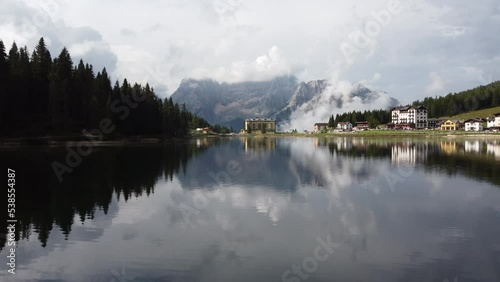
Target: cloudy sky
[(410, 49)]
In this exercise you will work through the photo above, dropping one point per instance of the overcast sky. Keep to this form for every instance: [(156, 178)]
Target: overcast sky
[(423, 48)]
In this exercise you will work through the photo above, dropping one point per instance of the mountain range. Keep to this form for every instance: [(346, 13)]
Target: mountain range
[(229, 104)]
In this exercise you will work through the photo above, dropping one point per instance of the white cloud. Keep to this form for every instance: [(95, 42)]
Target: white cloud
[(232, 40), (437, 84)]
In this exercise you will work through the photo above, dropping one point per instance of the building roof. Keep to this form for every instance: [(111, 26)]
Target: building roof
[(452, 120), (344, 122), (474, 120), (260, 119), (407, 108)]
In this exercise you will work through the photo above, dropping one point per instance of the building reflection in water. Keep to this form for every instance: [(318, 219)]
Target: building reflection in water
[(259, 144), (472, 146), (409, 152), (493, 148), (449, 147)]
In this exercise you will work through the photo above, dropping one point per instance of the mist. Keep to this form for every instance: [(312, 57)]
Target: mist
[(338, 92)]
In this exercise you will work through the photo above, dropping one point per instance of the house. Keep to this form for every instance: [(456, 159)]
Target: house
[(434, 123), (260, 124), (362, 125), (474, 125), (320, 126), (451, 125), (345, 126), (410, 116), (493, 122)]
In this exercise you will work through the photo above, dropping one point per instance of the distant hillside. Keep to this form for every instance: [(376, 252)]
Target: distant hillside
[(475, 114), (453, 104)]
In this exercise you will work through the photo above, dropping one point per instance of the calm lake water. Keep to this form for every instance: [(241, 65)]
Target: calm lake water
[(261, 209)]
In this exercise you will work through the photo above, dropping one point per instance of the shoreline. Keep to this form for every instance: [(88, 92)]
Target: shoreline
[(73, 140)]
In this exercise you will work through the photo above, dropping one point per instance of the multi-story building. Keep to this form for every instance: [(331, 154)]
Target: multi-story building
[(259, 124), (493, 122), (345, 126), (410, 116), (474, 125)]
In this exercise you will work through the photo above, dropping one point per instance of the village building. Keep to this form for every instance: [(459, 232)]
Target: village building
[(362, 125), (344, 126), (260, 125), (434, 123), (320, 127), (451, 125), (410, 117), (474, 125), (493, 122)]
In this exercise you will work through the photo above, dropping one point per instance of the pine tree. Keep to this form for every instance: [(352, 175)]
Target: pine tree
[(4, 72), (331, 122), (41, 63), (60, 89)]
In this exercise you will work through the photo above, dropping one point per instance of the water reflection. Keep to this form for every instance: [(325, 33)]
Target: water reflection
[(121, 172), (247, 209)]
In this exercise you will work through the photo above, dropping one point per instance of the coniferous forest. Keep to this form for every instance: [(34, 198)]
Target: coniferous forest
[(40, 94), (482, 97)]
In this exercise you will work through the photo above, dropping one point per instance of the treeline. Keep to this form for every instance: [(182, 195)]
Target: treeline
[(479, 98), (374, 118), (41, 95)]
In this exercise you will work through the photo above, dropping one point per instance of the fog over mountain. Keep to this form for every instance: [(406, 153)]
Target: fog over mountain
[(327, 98), (294, 105)]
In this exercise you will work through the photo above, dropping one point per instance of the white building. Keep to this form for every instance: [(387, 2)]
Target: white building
[(410, 115), (474, 125), (494, 121), (345, 126)]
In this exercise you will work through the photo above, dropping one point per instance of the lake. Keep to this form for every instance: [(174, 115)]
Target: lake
[(260, 209)]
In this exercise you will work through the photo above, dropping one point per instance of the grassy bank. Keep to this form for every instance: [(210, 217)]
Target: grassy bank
[(474, 114)]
